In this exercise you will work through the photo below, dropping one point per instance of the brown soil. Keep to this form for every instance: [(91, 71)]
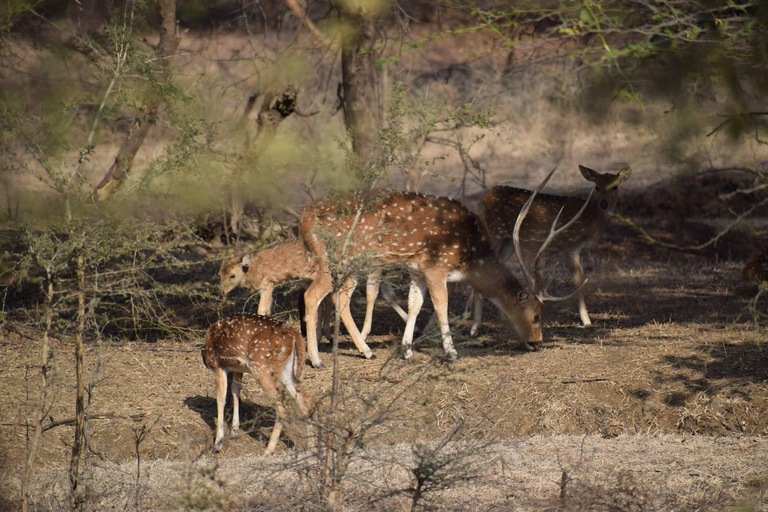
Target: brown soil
[(673, 352)]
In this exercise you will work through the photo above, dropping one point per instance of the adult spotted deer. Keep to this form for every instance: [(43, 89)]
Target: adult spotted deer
[(437, 237), (503, 207), (269, 350), (262, 271)]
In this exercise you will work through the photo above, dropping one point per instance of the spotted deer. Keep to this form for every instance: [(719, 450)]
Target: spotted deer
[(439, 238), (262, 271), (503, 205), (269, 350)]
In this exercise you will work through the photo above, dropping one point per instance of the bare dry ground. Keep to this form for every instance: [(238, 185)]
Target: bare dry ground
[(661, 405)]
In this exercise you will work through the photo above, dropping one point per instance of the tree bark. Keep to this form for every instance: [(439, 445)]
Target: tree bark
[(42, 407), (123, 162), (361, 78), (76, 493)]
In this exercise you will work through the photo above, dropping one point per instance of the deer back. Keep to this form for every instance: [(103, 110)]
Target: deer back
[(502, 205), (274, 264), (422, 230), (256, 344)]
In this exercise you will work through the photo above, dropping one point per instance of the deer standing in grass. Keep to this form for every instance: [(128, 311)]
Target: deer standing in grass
[(503, 204), (262, 271), (269, 350), (439, 238)]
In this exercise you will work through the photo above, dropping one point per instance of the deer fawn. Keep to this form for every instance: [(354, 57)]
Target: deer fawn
[(503, 204), (271, 351), (263, 270), (437, 237)]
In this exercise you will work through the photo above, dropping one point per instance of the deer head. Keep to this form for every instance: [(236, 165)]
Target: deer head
[(232, 273), (606, 186)]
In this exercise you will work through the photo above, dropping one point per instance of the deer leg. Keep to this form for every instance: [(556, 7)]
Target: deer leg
[(265, 300), (237, 379), (274, 437), (415, 301), (475, 302), (303, 403), (477, 313), (220, 375), (325, 320), (389, 296), (349, 322), (433, 323), (267, 382), (312, 297), (438, 291), (573, 262), (371, 292)]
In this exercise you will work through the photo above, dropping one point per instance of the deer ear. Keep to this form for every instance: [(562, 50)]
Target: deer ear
[(588, 173), (624, 174), (246, 261)]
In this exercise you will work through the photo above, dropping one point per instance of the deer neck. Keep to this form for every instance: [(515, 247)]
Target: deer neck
[(596, 216), (488, 276)]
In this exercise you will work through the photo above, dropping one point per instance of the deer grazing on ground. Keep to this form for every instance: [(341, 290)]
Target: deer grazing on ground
[(503, 206), (439, 238), (262, 271), (269, 350)]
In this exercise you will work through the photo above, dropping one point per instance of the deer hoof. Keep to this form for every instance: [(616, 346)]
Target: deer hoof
[(319, 365)]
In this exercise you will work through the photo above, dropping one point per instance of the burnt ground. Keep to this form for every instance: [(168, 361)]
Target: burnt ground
[(670, 382)]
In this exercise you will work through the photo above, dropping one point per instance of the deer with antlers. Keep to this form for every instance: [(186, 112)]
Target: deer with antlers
[(505, 206), (288, 260), (441, 241), (269, 350)]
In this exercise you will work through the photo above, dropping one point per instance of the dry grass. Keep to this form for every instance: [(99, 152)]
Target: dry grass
[(627, 472), (660, 406)]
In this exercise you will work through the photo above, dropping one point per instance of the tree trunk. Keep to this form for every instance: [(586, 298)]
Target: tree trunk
[(361, 79), (123, 162), (76, 493), (42, 407)]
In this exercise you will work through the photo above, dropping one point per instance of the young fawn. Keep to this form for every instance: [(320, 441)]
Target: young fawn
[(262, 271), (503, 204), (269, 350), (439, 238)]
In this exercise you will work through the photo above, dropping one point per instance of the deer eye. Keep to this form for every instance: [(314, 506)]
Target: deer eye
[(522, 296), (232, 276)]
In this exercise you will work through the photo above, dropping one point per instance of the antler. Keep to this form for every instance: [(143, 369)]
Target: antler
[(537, 282)]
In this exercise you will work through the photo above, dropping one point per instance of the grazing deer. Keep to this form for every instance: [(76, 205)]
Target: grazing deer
[(269, 350), (437, 237), (502, 206), (262, 271)]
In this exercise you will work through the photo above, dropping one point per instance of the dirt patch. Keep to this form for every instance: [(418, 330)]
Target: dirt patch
[(673, 352)]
